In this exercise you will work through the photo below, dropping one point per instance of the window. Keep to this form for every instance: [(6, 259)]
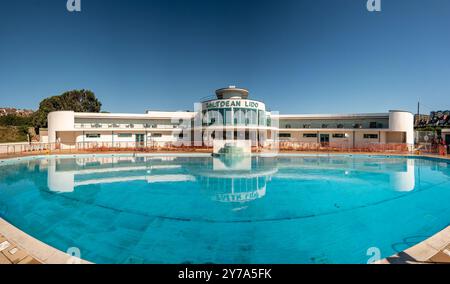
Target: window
[(373, 125), (370, 136), (310, 135), (124, 135), (324, 125), (284, 135), (306, 125), (338, 135), (156, 135), (340, 125), (253, 117), (357, 125), (96, 135), (288, 126), (262, 117), (240, 116)]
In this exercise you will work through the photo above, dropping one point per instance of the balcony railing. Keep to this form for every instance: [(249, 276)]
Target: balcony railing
[(331, 126), (170, 145)]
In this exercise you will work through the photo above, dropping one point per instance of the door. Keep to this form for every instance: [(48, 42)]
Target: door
[(325, 139), (140, 140)]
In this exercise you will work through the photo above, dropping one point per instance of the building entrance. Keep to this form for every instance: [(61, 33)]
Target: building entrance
[(325, 139), (140, 140)]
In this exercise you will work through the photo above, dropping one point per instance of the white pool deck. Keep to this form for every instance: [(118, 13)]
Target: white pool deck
[(17, 247)]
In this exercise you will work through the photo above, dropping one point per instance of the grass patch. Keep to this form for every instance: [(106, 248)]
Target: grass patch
[(11, 134)]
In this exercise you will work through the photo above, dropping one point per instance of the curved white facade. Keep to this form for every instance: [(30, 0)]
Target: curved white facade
[(60, 121), (402, 121)]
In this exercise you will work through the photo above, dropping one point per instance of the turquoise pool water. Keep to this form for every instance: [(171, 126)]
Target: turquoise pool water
[(302, 209)]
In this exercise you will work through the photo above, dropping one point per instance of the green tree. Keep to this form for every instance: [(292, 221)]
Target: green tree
[(15, 120), (76, 100)]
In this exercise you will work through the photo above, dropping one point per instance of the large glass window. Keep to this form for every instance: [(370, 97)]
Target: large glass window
[(244, 116), (239, 116), (252, 116), (217, 116), (262, 117), (124, 135), (310, 135), (284, 135), (370, 136)]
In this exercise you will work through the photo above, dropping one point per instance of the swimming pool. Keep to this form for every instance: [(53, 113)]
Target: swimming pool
[(198, 209)]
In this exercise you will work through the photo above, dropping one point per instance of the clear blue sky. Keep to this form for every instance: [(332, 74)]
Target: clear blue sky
[(298, 56)]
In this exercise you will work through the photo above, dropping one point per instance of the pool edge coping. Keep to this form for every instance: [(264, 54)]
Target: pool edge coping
[(37, 249), (422, 252)]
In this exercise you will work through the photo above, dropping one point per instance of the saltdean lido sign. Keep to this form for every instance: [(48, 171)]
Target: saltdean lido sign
[(234, 104)]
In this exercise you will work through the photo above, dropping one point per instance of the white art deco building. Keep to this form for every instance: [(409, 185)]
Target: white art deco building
[(230, 115)]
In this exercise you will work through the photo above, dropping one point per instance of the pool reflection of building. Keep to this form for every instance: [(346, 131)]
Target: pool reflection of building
[(237, 179), (65, 177), (401, 171), (225, 180)]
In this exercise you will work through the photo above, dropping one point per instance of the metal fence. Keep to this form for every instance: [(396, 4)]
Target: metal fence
[(340, 147), (427, 142), (155, 146), (18, 148), (148, 146)]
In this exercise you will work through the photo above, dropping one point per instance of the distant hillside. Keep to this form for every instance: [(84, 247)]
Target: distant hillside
[(13, 111), (10, 134)]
